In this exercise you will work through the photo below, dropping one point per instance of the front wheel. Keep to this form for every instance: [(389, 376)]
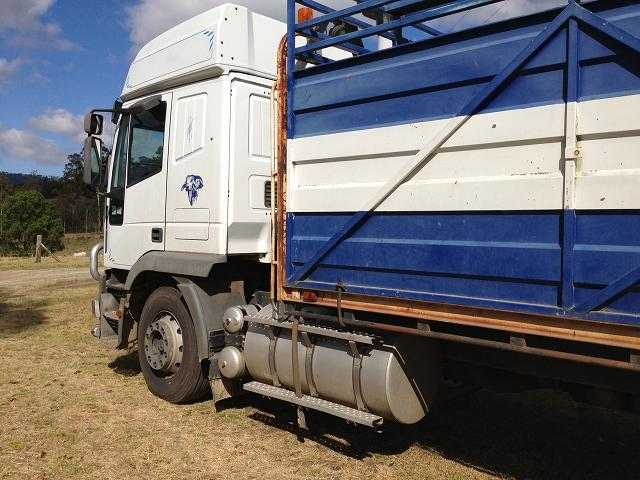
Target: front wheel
[(167, 349)]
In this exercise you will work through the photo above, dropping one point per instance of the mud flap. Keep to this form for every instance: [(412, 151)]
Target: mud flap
[(114, 324), (125, 326), (104, 329)]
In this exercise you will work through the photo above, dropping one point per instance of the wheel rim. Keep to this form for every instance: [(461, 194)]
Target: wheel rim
[(163, 344)]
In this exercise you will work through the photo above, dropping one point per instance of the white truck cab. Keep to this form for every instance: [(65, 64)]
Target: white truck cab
[(191, 160), (187, 227)]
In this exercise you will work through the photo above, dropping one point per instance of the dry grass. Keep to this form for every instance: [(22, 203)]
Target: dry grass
[(73, 243), (70, 409), (28, 263), (79, 242)]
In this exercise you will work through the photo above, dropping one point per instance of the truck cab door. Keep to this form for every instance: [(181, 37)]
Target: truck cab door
[(137, 187), (197, 186)]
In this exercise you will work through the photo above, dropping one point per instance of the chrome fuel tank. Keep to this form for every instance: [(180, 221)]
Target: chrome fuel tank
[(388, 381)]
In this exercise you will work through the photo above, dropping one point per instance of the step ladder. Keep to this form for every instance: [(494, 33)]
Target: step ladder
[(314, 403)]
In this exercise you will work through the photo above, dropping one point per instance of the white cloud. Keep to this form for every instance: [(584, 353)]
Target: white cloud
[(21, 144), (58, 120), (22, 24), (9, 68), (149, 18), (63, 122), (23, 13), (38, 78)]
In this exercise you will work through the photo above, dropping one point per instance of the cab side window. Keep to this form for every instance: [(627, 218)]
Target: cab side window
[(146, 144)]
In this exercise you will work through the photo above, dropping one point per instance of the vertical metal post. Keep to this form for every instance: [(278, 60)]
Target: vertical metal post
[(396, 32), (295, 358), (273, 179), (571, 156), (38, 248), (291, 63)]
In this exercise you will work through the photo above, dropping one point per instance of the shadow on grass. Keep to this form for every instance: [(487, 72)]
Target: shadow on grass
[(538, 435), (126, 365), (18, 315), (533, 435)]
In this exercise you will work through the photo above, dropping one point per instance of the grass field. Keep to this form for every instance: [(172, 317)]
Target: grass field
[(71, 409), (79, 242), (73, 243)]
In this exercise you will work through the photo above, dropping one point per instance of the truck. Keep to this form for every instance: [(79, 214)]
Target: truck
[(364, 209)]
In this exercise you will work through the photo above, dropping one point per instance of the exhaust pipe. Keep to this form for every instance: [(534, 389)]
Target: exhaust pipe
[(93, 262)]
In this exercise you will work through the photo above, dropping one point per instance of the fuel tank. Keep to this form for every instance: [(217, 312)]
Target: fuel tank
[(398, 382)]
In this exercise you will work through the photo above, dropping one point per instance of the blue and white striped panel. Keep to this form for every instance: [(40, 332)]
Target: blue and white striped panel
[(482, 223)]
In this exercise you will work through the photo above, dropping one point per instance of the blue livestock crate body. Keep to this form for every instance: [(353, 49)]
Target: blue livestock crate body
[(494, 166)]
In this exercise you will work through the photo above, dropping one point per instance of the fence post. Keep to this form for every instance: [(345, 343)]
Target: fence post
[(38, 248)]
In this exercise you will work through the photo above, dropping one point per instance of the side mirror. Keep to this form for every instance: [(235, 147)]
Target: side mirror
[(93, 124), (93, 161)]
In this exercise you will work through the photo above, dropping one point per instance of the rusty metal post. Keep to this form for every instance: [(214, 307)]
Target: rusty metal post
[(281, 165)]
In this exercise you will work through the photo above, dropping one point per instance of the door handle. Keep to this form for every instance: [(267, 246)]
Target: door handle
[(156, 235)]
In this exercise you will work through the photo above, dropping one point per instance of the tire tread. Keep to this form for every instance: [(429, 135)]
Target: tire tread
[(192, 384)]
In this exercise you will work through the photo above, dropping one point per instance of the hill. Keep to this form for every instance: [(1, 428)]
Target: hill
[(49, 186)]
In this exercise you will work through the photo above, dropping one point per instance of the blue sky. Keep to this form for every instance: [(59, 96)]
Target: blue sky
[(58, 63), (60, 58)]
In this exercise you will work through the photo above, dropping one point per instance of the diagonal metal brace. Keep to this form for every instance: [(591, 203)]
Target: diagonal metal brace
[(426, 154), (600, 24), (603, 296)]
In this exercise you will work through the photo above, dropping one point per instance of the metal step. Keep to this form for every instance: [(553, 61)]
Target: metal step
[(314, 403)]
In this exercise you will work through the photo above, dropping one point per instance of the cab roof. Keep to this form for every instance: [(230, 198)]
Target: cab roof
[(228, 37)]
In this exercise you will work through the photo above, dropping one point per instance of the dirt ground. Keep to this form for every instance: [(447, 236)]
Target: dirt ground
[(16, 279), (71, 409)]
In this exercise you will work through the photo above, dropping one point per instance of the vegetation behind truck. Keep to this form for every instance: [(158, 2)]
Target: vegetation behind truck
[(356, 232)]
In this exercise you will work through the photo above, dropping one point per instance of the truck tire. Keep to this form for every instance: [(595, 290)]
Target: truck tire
[(167, 349)]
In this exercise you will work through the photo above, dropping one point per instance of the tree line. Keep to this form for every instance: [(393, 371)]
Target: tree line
[(35, 204)]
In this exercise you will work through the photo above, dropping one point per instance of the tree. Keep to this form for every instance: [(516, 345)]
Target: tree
[(26, 214), (5, 186), (5, 189), (78, 204), (73, 177), (74, 173)]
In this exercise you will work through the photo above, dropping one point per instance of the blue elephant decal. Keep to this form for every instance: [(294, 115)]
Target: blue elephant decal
[(192, 185)]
